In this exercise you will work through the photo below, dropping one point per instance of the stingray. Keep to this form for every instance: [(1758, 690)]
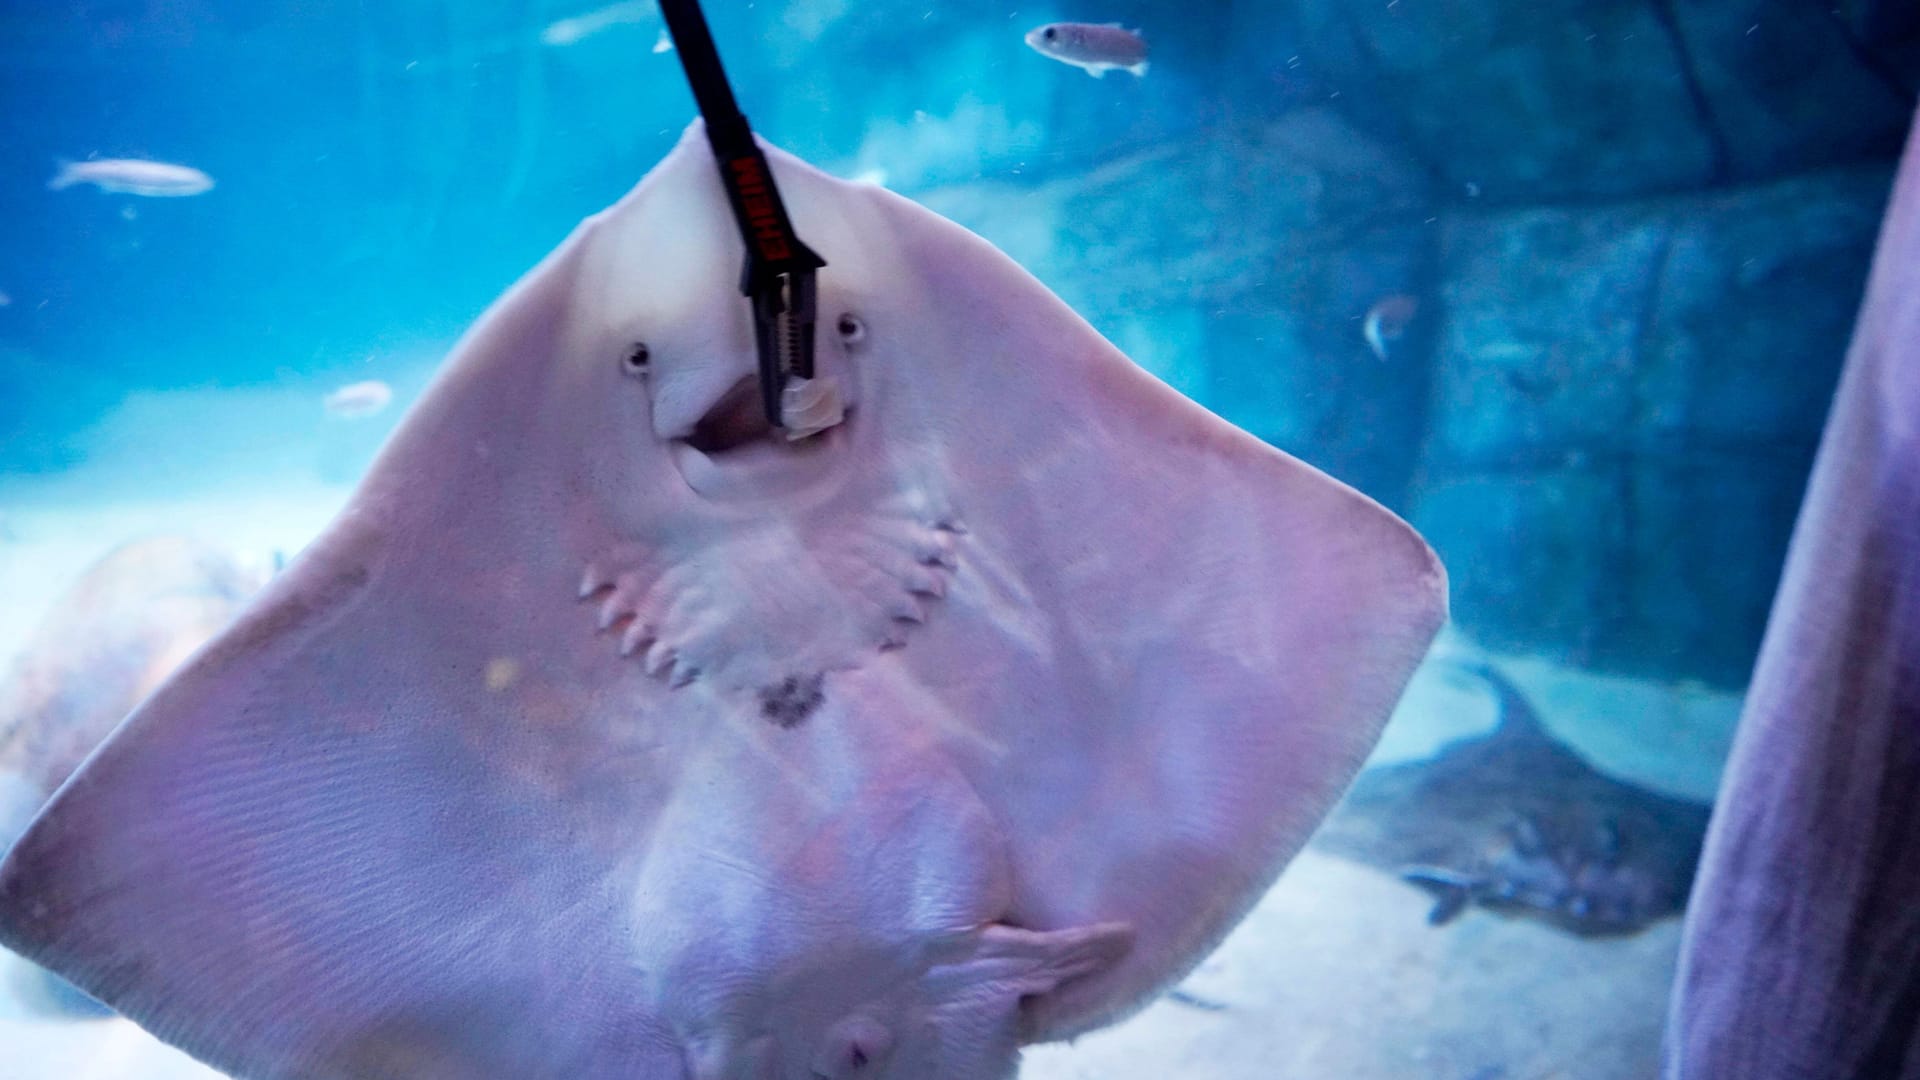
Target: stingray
[(109, 640), (609, 733), (133, 617), (1516, 822)]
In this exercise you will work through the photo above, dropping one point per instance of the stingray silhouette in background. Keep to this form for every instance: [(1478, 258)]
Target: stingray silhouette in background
[(608, 733), (1517, 822)]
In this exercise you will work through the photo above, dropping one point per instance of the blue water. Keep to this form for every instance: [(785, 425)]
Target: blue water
[(384, 170), (380, 178)]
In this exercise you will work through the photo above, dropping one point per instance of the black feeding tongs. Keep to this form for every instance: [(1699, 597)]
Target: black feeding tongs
[(779, 274)]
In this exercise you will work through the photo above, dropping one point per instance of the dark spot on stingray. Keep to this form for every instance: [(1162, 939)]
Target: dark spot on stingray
[(787, 703), (1516, 822)]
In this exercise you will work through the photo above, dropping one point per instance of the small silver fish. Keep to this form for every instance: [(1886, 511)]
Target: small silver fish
[(1387, 321), (132, 176), (581, 27), (357, 400), (1095, 48)]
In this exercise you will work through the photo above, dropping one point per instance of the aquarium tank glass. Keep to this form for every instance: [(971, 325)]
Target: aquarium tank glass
[(1566, 286)]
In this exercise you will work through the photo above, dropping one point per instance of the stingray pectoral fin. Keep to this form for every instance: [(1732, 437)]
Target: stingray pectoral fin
[(1191, 640), (1453, 892), (329, 846), (283, 865)]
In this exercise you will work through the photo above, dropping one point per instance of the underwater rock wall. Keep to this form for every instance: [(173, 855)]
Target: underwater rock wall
[(1626, 402), (1637, 233)]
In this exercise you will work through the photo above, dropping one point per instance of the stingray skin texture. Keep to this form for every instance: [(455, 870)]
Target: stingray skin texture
[(606, 735)]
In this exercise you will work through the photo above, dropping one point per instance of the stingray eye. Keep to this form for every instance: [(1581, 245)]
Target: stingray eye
[(636, 360), (852, 330)]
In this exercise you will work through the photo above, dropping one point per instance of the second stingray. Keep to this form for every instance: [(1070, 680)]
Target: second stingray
[(1517, 822)]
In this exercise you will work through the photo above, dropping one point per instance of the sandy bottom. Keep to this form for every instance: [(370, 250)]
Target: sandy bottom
[(1334, 975)]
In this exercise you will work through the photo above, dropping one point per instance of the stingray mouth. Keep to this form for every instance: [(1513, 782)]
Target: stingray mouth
[(734, 421), (733, 449)]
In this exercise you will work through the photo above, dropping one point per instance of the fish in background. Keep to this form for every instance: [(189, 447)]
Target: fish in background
[(132, 176), (581, 27), (1387, 322), (357, 401), (1095, 48)]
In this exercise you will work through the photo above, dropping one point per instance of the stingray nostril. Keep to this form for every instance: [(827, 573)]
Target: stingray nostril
[(637, 358)]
